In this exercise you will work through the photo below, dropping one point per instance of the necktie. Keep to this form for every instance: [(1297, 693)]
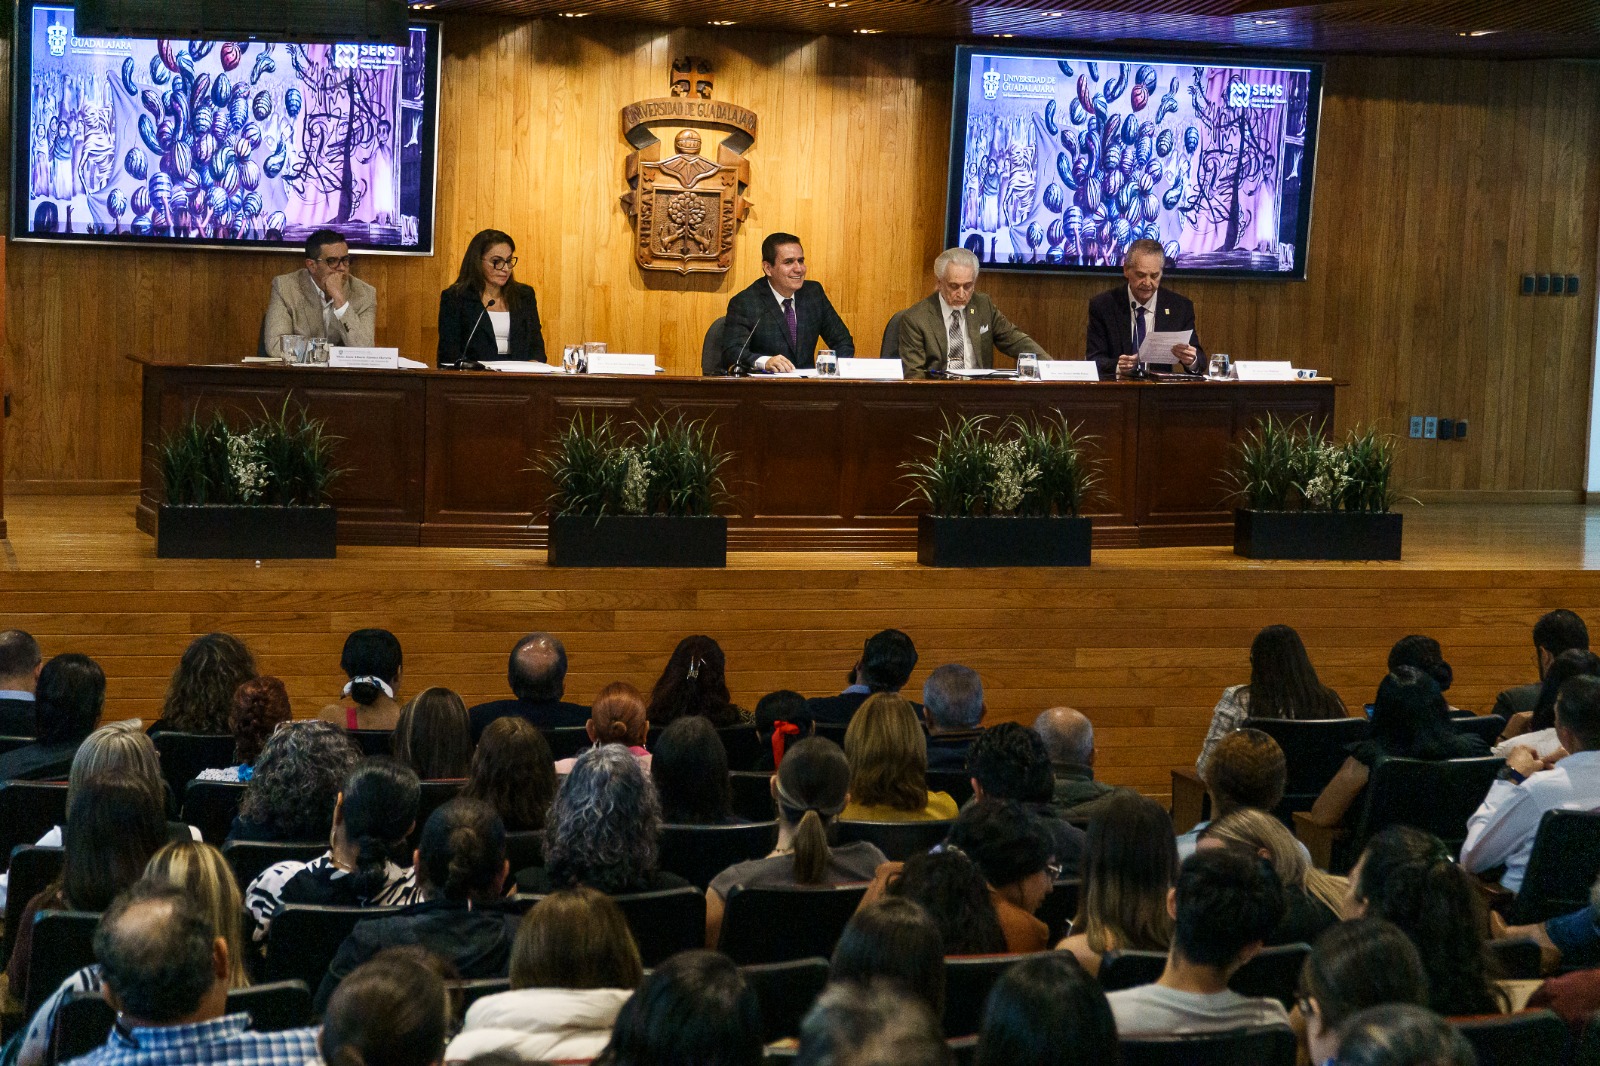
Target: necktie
[(1138, 326), (791, 323), (958, 349)]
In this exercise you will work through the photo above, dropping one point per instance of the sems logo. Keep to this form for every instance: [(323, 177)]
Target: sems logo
[(57, 36), (346, 56), (1238, 94), (991, 84), (1241, 94)]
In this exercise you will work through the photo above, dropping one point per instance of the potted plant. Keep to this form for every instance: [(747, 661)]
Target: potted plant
[(640, 498), (1307, 497), (254, 493), (1004, 494)]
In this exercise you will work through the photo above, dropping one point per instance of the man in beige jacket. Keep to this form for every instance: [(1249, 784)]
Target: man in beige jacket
[(322, 300)]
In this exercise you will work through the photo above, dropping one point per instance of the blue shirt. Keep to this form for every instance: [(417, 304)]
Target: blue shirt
[(224, 1041), (18, 695)]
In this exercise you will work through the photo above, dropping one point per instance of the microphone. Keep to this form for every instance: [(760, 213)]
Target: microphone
[(463, 363), (740, 368), (1138, 373)]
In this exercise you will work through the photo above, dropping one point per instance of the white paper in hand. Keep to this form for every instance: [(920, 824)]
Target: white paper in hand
[(1157, 346)]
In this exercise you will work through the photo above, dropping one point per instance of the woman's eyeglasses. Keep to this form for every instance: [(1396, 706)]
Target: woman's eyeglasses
[(498, 263)]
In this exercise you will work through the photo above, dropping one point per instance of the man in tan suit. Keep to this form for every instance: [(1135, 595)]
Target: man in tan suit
[(958, 328), (322, 300)]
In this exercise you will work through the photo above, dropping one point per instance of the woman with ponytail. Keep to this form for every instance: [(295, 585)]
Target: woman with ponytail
[(372, 662), (811, 787), (372, 817)]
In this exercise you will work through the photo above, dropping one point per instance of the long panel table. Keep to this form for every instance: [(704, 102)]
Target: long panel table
[(447, 458)]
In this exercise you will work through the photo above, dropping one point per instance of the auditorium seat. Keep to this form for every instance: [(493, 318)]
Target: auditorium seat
[(1268, 1045), (32, 870), (525, 849), (1486, 727), (184, 755), (1435, 797), (84, 1019), (742, 746), (303, 939), (1561, 869), (1519, 959), (831, 731), (1527, 1038), (13, 743), (897, 840), (63, 944), (711, 349), (1313, 751), (1130, 969), (697, 853), (1273, 972), (373, 741), (29, 810), (567, 742), (967, 981), (1060, 907), (211, 806), (435, 794), (778, 924), (752, 795), (665, 923), (249, 857), (786, 991), (890, 348), (956, 783), (463, 994)]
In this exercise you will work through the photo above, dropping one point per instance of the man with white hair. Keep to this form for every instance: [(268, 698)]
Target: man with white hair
[(1069, 738), (958, 328), (1120, 319)]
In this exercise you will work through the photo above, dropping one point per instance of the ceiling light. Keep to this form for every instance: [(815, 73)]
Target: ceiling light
[(1004, 35), (722, 22), (838, 3), (1054, 14), (1266, 22), (865, 31), (574, 14)]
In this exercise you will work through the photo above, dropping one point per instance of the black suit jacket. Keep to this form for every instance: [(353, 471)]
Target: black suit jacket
[(546, 714), (756, 309), (16, 719), (1111, 327), (459, 310)]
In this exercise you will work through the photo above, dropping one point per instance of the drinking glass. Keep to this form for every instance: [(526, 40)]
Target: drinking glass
[(318, 354), (591, 347), (574, 360), (1028, 367), (1219, 367), (827, 363), (293, 347)]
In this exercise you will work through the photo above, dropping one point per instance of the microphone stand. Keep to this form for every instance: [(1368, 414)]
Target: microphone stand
[(739, 368), (463, 363)]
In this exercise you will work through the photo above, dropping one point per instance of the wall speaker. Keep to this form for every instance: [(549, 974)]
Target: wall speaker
[(347, 21)]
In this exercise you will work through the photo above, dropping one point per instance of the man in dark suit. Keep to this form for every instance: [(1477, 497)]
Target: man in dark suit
[(1120, 319), (953, 711), (20, 663), (1553, 633), (774, 324), (537, 674), (958, 328), (885, 665)]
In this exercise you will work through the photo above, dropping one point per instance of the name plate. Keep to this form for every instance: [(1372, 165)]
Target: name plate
[(622, 363), (1258, 370), (364, 358), (1068, 370), (872, 370)]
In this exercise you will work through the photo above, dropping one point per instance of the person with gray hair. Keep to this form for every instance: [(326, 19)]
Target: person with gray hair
[(20, 663), (1069, 738), (877, 1024), (537, 676), (1120, 319), (957, 327), (953, 709)]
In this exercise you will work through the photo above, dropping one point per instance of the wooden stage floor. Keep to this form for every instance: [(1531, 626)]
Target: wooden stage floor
[(1143, 641)]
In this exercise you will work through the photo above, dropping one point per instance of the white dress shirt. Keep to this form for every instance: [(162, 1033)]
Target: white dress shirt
[(960, 354), (500, 322), (1503, 828)]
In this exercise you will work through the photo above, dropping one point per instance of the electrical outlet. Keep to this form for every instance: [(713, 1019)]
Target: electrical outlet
[(1558, 284), (1416, 426), (1572, 284), (1527, 284), (1542, 285), (1447, 429), (1430, 428), (1461, 429)]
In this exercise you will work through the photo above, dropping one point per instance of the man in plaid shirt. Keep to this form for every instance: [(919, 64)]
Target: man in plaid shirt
[(166, 973)]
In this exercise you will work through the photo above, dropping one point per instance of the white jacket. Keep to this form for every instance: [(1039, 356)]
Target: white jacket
[(547, 1024)]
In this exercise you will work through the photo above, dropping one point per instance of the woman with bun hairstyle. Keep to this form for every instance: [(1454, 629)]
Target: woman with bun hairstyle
[(617, 716), (372, 662)]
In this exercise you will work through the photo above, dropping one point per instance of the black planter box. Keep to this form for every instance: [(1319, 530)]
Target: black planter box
[(226, 532), (638, 540), (1002, 541), (1342, 535)]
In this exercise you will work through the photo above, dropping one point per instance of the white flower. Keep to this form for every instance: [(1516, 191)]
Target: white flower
[(1012, 476), (245, 464), (635, 482)]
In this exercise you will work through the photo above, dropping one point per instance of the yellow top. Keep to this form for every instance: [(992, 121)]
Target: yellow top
[(940, 808)]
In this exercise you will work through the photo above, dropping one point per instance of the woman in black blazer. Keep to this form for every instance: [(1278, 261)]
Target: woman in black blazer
[(487, 314)]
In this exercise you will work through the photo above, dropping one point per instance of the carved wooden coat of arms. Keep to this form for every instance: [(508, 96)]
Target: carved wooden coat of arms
[(686, 209)]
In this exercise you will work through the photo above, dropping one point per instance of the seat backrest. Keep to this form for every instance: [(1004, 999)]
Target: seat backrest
[(1527, 1038), (898, 841), (184, 755), (1519, 959), (466, 993), (967, 981), (525, 849), (1486, 727), (249, 857), (741, 745), (957, 783), (29, 810), (13, 743), (665, 923), (373, 741), (84, 1019), (211, 806), (890, 349), (567, 742), (1268, 1045), (63, 944), (32, 870), (1434, 796), (833, 731), (711, 348), (697, 853), (1130, 969), (1563, 865), (778, 924), (1313, 751), (786, 991), (435, 794), (274, 1006), (1060, 907), (1274, 973), (752, 795), (303, 939)]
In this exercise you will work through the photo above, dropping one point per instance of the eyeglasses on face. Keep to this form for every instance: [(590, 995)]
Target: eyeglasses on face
[(498, 263), (334, 262)]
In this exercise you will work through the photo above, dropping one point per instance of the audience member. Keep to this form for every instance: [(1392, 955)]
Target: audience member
[(1410, 720), (372, 661), (1246, 770), (953, 709), (1502, 830), (695, 1009), (1069, 739), (260, 706), (1406, 877), (20, 660), (433, 737), (1129, 865), (392, 1009), (1283, 684), (889, 765), (1400, 1034), (878, 1024), (895, 940), (952, 889), (113, 827), (1364, 963), (617, 717), (72, 693), (782, 718), (513, 772), (810, 789), (1568, 940), (1045, 1011), (690, 770), (372, 816), (1313, 899), (1553, 633), (1536, 729), (1223, 908), (166, 971), (886, 662), (297, 779), (200, 693), (1013, 849), (537, 676), (602, 830), (694, 682), (573, 965), (461, 873), (1424, 654), (1010, 762)]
